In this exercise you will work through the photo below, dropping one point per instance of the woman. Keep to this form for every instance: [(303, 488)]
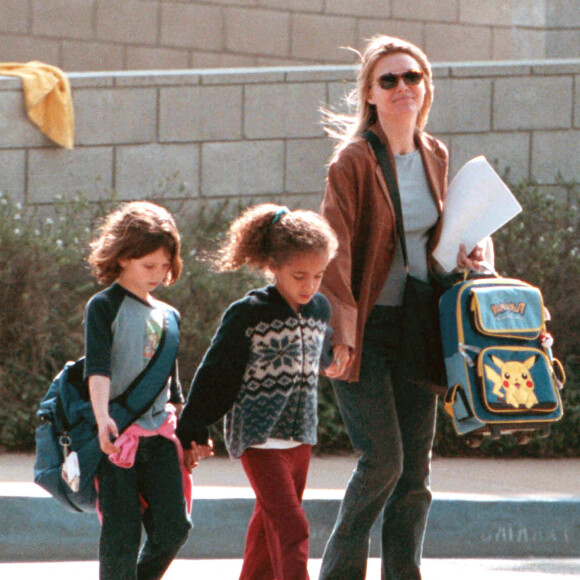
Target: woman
[(389, 421)]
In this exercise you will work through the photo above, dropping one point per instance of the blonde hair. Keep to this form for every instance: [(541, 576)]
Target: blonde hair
[(344, 127), (132, 231), (268, 235)]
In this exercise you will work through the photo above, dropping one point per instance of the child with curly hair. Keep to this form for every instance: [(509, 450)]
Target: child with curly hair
[(261, 371)]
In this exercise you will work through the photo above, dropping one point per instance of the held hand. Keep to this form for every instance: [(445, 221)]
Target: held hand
[(471, 261), (192, 457), (204, 451), (190, 460), (342, 359), (108, 432)]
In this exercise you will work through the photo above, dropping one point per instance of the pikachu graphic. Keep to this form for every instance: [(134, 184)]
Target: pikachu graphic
[(514, 383)]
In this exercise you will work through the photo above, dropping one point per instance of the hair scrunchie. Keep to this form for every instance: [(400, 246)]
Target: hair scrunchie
[(279, 214)]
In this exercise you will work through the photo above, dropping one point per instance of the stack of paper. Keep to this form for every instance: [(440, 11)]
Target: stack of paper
[(477, 204)]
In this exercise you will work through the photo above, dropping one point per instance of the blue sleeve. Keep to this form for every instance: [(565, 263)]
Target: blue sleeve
[(99, 316), (218, 379), (326, 354)]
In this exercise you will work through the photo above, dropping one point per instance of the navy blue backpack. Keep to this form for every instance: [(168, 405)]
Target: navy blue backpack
[(66, 422)]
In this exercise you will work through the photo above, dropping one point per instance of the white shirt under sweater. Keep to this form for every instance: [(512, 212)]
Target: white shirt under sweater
[(419, 216)]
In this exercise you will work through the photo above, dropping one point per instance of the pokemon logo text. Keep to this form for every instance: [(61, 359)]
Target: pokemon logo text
[(509, 307)]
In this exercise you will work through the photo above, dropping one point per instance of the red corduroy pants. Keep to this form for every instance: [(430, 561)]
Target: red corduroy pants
[(277, 538)]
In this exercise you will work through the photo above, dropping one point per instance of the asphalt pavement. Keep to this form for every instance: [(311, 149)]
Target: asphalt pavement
[(525, 480)]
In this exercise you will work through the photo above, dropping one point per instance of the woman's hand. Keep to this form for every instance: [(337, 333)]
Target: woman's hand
[(342, 359), (473, 260), (192, 457)]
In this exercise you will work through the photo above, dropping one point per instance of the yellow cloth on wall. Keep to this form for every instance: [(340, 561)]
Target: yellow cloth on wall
[(47, 97)]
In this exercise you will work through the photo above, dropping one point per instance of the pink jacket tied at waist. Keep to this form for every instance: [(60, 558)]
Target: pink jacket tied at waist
[(128, 442)]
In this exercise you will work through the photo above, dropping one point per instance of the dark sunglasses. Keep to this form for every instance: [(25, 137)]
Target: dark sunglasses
[(389, 81)]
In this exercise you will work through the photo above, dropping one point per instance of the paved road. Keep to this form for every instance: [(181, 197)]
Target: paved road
[(229, 570), (521, 478)]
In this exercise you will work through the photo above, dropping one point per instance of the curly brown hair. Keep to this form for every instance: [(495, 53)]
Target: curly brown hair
[(132, 231), (268, 235)]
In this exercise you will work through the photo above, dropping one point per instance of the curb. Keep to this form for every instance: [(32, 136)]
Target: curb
[(36, 527)]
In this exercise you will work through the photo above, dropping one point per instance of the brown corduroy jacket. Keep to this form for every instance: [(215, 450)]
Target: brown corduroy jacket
[(359, 208)]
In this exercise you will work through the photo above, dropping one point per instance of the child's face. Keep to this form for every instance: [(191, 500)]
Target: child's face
[(299, 278), (142, 275)]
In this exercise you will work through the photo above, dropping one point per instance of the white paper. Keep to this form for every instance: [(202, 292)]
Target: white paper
[(477, 204), (71, 472)]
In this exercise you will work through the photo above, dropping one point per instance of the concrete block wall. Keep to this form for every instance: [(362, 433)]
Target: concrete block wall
[(94, 35), (254, 134)]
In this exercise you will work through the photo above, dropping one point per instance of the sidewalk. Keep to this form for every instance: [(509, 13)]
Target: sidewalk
[(554, 478), (526, 510), (230, 569)]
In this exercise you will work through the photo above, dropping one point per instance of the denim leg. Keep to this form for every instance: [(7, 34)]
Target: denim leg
[(121, 522), (369, 412), (165, 519), (406, 511)]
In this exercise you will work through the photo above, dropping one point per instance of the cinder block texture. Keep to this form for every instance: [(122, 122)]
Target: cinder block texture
[(309, 44), (540, 102), (15, 128), (490, 12), (408, 29), (13, 174), (25, 48), (14, 19), (519, 44), (509, 151), (558, 42), (64, 18), (115, 116), (169, 171), (54, 172), (283, 110), (265, 32), (461, 105), (453, 42), (129, 21), (192, 26), (562, 13), (294, 5), (306, 161), (95, 56), (554, 152), (200, 113), (370, 8), (143, 58), (427, 10), (243, 168)]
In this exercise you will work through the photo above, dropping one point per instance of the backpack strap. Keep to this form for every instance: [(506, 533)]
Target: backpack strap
[(392, 185), (138, 398)]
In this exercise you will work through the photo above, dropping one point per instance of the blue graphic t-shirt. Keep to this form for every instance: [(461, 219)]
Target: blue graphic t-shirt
[(122, 333)]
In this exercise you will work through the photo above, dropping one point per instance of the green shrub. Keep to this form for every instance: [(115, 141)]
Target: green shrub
[(45, 284)]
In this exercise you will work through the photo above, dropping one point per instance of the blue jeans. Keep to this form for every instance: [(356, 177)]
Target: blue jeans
[(392, 424), (156, 478)]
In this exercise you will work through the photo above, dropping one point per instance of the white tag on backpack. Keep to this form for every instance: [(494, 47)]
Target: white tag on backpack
[(71, 472)]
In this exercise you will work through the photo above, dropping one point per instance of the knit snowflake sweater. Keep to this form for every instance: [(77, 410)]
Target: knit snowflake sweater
[(261, 371)]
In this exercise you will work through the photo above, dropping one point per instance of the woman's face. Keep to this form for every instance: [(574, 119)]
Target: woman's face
[(403, 102)]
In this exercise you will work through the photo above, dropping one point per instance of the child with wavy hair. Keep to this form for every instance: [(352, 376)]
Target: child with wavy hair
[(261, 371), (136, 249)]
